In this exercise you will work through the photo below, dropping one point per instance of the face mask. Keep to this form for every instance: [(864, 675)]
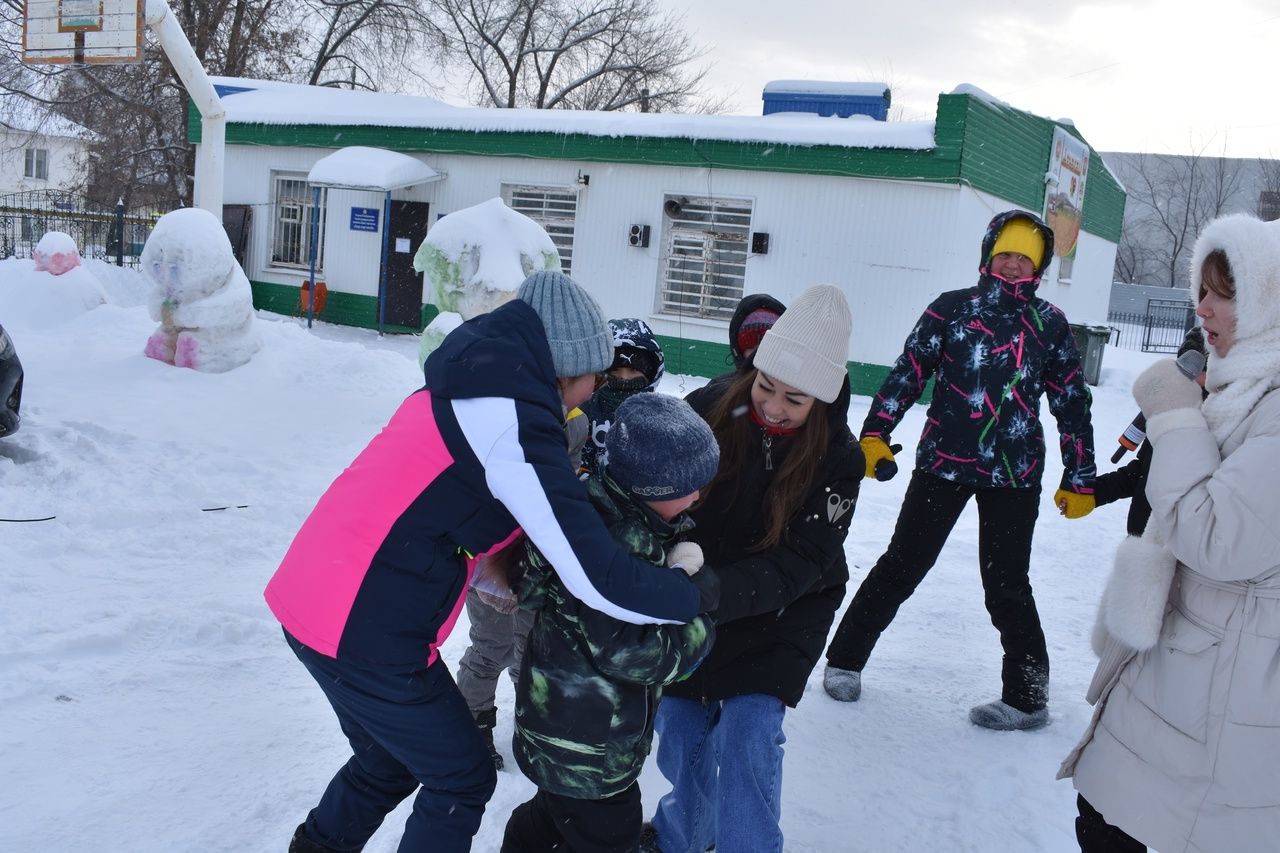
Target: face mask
[(624, 386)]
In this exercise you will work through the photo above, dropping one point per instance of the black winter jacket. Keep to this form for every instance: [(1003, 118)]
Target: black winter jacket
[(995, 349), (776, 606)]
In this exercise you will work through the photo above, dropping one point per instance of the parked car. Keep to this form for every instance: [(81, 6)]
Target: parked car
[(10, 385)]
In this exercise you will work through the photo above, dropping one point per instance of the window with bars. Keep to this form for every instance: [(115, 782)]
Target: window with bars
[(554, 208), (704, 262), (294, 210), (36, 164)]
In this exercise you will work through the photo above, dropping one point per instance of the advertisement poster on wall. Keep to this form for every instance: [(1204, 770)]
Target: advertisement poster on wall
[(1064, 204)]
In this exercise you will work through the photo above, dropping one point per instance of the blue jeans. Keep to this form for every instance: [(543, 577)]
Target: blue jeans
[(724, 762), (406, 729)]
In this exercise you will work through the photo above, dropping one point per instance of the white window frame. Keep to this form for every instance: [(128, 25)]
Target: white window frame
[(292, 208), (554, 208), (706, 245), (36, 164)]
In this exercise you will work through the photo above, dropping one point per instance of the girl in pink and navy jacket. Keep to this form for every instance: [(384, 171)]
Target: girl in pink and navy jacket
[(376, 576)]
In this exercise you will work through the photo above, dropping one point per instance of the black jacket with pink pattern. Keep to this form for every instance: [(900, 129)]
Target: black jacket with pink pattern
[(994, 350)]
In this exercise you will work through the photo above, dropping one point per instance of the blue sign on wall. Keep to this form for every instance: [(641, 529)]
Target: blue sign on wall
[(364, 219)]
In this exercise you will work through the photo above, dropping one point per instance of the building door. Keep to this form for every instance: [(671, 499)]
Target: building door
[(407, 229)]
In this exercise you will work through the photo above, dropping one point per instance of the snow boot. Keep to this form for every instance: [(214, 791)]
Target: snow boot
[(301, 844), (485, 721), (1006, 718), (843, 685)]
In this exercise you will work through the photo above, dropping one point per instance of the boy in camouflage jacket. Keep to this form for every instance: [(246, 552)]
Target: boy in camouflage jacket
[(590, 684)]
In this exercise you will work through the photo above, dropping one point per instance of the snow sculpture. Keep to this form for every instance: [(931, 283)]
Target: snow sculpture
[(199, 294), (56, 253), (474, 260)]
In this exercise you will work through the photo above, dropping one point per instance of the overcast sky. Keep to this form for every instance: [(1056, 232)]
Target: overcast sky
[(1134, 75)]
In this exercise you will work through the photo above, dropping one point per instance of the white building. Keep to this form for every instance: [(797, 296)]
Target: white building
[(40, 151), (664, 217)]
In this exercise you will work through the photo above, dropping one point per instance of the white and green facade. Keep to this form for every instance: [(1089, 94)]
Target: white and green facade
[(892, 226)]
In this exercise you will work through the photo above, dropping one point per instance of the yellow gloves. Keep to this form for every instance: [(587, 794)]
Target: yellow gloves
[(874, 450), (1074, 505)]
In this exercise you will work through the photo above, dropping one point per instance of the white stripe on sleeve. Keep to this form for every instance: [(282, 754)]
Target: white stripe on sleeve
[(492, 429)]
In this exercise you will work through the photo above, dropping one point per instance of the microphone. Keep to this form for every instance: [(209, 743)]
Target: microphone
[(1190, 364)]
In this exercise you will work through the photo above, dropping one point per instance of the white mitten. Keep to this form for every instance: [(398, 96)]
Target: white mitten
[(1163, 387), (686, 555)]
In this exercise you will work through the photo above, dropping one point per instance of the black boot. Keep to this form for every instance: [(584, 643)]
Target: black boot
[(301, 844), (485, 721)]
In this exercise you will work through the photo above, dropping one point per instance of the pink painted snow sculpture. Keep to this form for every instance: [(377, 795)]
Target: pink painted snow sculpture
[(56, 253), (199, 294)]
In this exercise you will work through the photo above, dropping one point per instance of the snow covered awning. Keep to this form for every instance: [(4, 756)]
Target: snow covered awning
[(362, 168)]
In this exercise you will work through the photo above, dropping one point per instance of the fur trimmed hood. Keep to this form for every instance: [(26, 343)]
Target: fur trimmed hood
[(1252, 248)]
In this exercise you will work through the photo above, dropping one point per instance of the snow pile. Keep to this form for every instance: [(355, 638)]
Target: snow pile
[(360, 167), (199, 294), (474, 260), (56, 253), (42, 300)]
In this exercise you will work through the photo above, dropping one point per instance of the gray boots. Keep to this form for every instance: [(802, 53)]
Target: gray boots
[(843, 685)]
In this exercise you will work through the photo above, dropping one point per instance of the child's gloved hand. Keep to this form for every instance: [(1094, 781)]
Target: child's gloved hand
[(875, 451), (1072, 504), (686, 555)]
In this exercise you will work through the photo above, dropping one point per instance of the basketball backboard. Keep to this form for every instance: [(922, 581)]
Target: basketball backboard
[(82, 31)]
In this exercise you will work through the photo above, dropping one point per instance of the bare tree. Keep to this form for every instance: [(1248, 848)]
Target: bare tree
[(361, 43), (1172, 197), (576, 54)]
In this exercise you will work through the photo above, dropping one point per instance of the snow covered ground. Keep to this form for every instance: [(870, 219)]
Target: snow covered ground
[(148, 702)]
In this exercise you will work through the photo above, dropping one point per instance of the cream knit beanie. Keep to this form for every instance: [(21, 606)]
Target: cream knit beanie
[(808, 348)]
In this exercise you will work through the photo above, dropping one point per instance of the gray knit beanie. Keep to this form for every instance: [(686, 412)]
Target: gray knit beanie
[(659, 448), (808, 348), (576, 329)]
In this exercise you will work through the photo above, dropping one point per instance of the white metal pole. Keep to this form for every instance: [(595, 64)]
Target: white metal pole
[(210, 155)]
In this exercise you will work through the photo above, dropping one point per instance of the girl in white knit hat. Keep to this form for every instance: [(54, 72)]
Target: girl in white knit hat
[(772, 524)]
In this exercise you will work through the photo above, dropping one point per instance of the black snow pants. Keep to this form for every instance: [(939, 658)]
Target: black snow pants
[(1006, 521), (555, 822)]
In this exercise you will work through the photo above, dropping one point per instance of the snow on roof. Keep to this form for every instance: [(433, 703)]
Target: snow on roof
[(359, 167), (274, 103), (826, 87), (27, 116)]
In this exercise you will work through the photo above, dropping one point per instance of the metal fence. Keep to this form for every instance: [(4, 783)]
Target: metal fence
[(111, 235), (1160, 328)]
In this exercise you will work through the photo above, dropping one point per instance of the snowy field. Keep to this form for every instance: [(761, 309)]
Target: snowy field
[(149, 702)]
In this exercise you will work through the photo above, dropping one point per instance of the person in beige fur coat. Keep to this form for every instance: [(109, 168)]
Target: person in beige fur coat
[(1183, 751)]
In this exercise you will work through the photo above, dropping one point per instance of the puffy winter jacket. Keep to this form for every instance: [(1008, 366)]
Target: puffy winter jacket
[(590, 684), (777, 605), (1183, 752), (378, 571), (995, 349)]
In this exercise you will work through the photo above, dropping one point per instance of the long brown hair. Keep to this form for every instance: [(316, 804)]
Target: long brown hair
[(1215, 275), (739, 440)]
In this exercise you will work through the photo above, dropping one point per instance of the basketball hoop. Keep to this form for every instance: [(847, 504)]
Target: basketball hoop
[(82, 31)]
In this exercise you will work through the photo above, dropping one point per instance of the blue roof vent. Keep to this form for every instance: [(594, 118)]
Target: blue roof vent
[(826, 98)]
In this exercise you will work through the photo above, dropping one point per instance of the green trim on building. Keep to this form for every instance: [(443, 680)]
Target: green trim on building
[(684, 355), (998, 150), (346, 309), (1023, 143)]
